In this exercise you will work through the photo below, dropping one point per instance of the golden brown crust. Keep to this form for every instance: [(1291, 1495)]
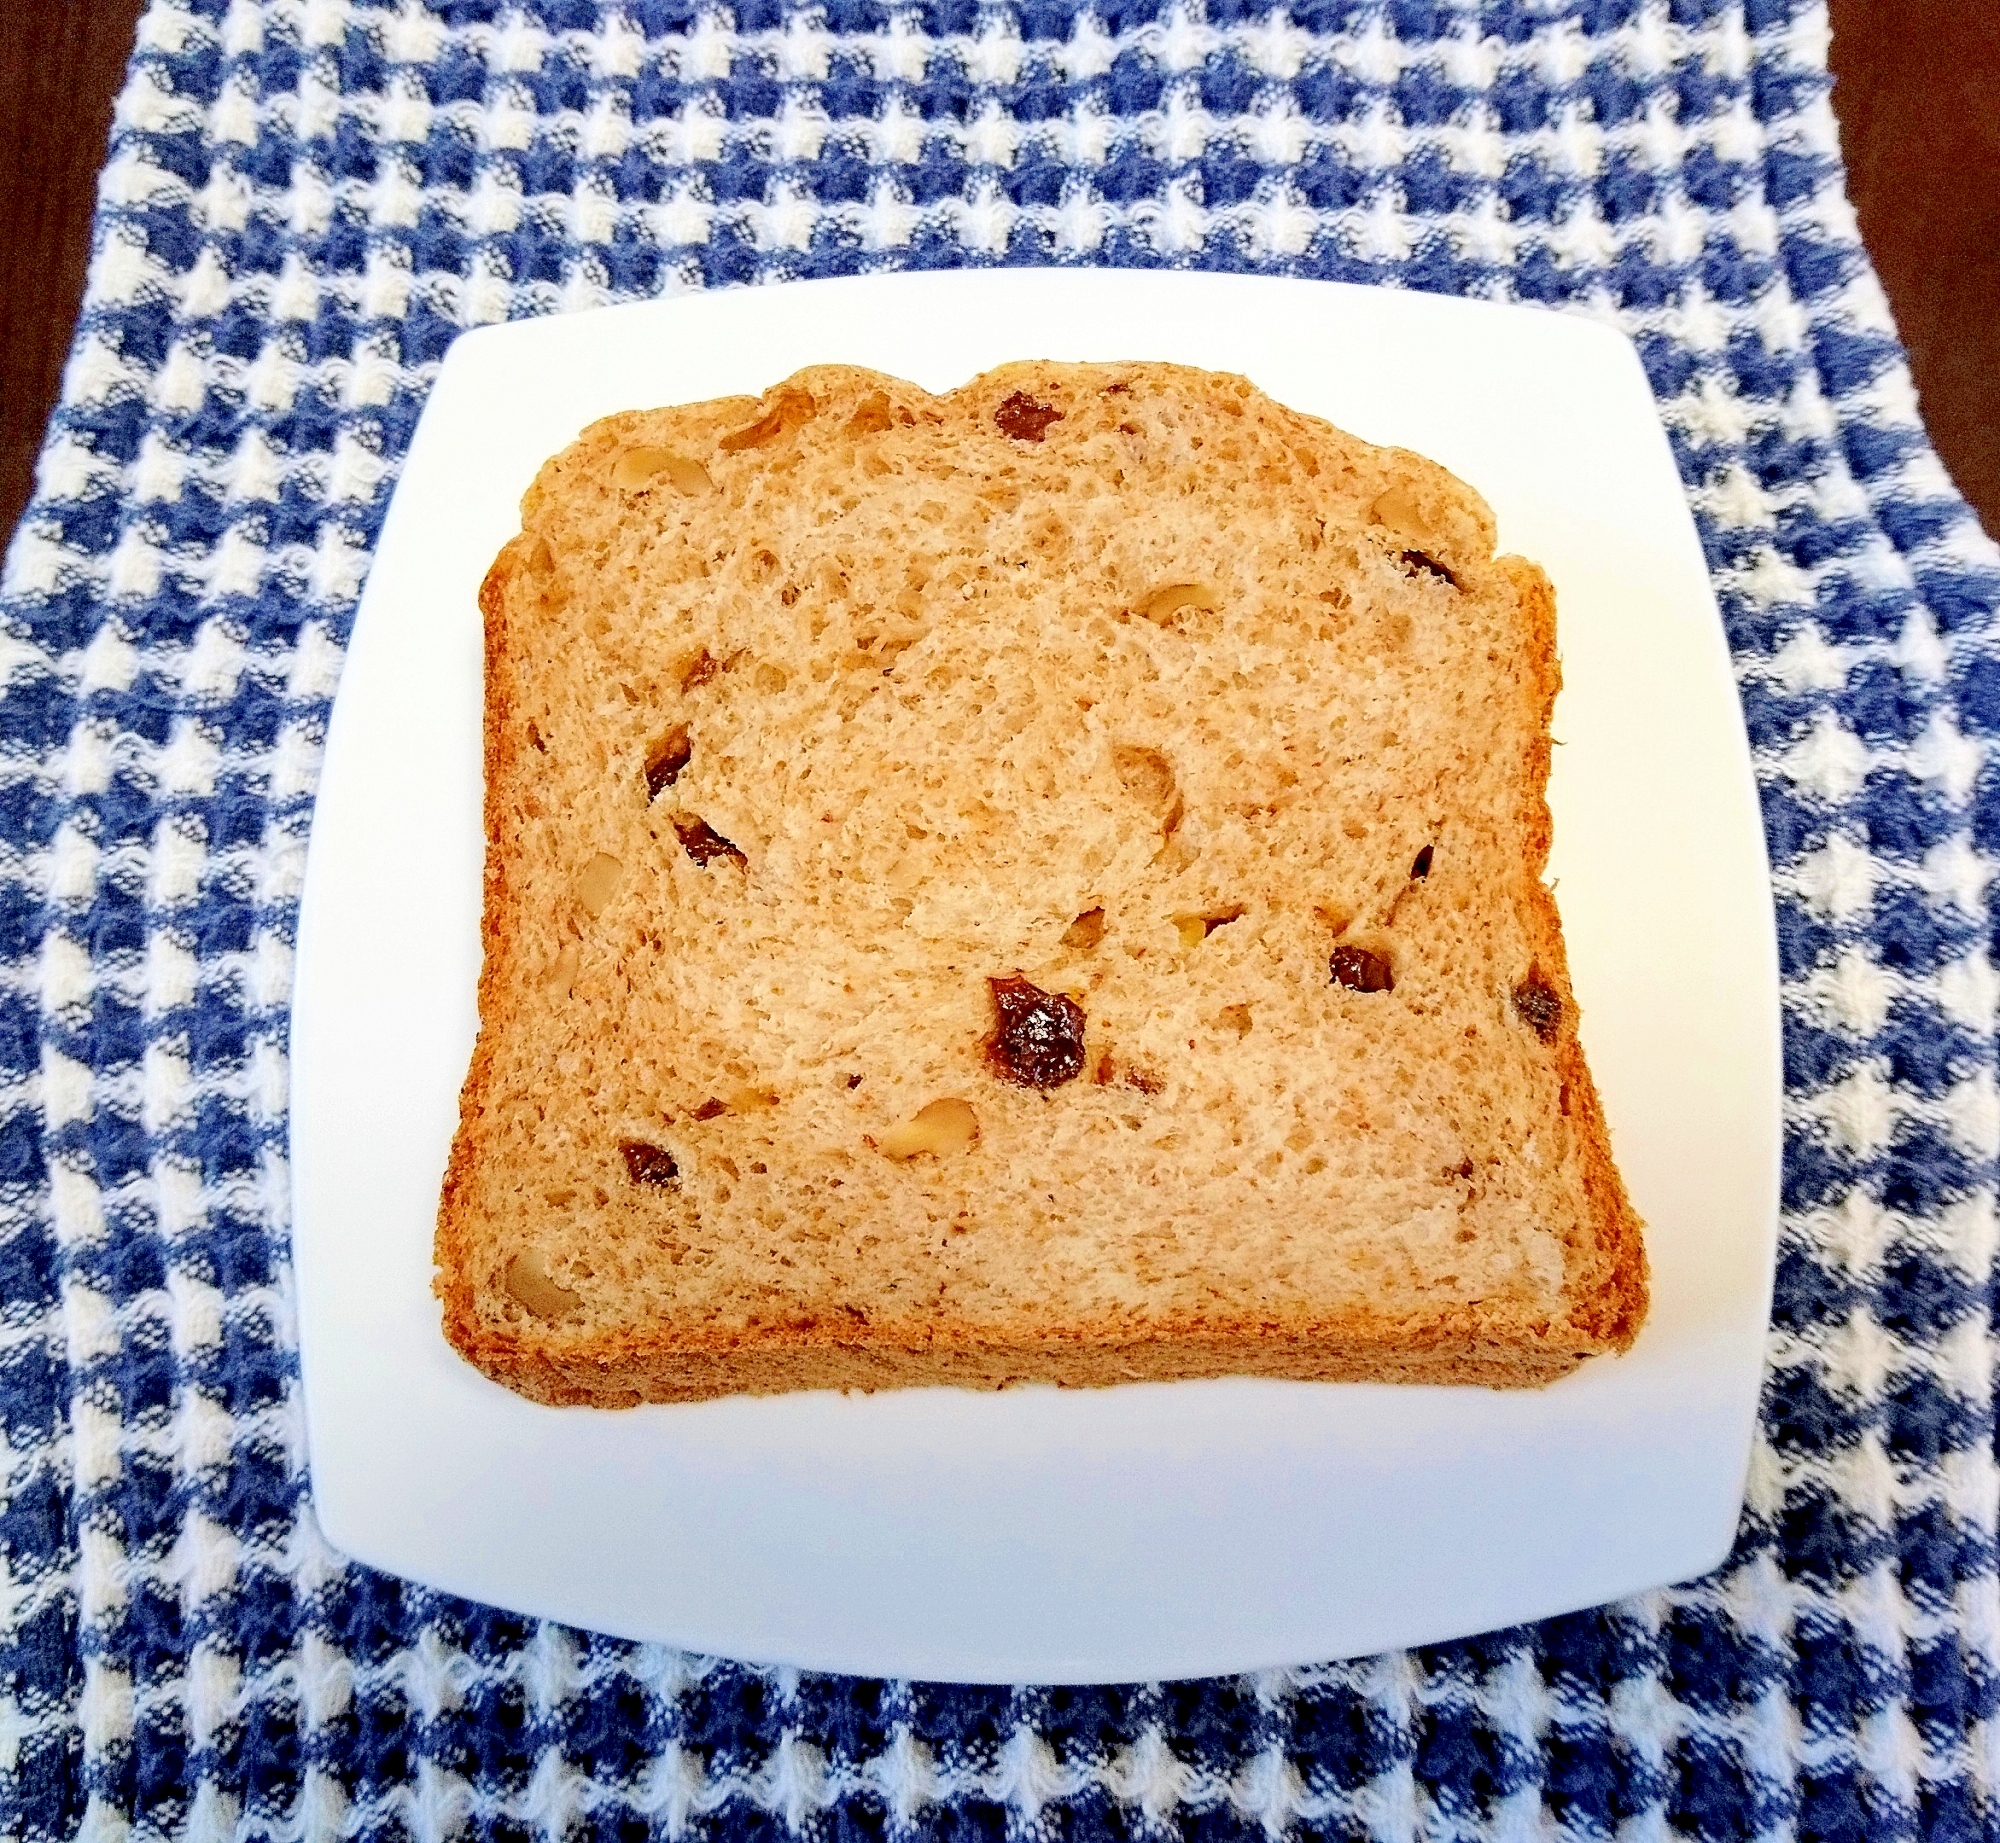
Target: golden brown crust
[(775, 1368), (1605, 1290), (1455, 1345), (1608, 1284), (501, 737)]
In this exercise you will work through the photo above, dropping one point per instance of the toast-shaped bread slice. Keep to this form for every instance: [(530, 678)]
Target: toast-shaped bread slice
[(1035, 883)]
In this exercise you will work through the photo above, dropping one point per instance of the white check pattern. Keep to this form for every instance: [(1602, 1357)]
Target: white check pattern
[(304, 200)]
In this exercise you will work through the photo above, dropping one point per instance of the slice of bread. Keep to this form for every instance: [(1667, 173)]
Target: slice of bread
[(1035, 883)]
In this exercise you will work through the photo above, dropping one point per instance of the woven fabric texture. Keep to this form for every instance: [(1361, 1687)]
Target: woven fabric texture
[(304, 201)]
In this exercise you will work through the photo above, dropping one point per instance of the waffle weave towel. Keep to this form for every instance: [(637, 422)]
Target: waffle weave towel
[(304, 201)]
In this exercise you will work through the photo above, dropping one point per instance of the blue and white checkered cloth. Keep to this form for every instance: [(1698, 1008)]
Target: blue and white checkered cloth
[(304, 201)]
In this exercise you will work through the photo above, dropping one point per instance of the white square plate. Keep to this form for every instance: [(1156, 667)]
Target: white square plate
[(1149, 1531)]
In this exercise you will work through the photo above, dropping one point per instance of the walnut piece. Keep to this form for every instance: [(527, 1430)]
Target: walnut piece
[(599, 882), (940, 1127), (527, 1280)]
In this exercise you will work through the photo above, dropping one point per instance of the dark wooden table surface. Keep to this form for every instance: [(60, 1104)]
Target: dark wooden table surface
[(1917, 91)]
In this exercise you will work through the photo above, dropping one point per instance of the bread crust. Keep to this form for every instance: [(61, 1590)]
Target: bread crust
[(1433, 1351), (458, 1208), (1495, 1344), (1609, 1288)]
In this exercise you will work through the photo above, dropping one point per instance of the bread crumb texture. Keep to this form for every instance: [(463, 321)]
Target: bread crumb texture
[(1035, 883)]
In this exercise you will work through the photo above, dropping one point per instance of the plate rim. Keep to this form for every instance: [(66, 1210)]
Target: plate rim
[(471, 351)]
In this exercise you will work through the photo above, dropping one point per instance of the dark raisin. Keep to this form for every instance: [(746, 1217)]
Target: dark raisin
[(1360, 971), (1037, 1037), (854, 1081), (1415, 560), (1422, 867), (1025, 419), (670, 755), (650, 1164), (710, 1109), (704, 843), (1541, 1010)]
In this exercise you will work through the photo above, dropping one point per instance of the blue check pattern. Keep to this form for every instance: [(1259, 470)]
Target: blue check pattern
[(304, 201)]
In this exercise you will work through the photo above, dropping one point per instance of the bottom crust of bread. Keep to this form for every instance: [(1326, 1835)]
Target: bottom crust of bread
[(1451, 1355)]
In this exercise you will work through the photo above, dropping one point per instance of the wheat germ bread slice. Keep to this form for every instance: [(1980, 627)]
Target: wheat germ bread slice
[(1039, 882)]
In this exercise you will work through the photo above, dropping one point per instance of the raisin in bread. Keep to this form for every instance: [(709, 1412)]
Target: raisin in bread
[(1035, 883)]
